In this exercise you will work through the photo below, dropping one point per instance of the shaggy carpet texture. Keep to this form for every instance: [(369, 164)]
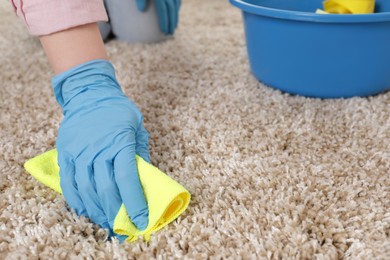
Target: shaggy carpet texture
[(272, 175)]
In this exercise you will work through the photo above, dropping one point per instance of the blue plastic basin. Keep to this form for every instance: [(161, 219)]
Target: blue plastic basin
[(293, 49)]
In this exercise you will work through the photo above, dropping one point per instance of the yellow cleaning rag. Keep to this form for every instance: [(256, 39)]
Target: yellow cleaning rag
[(166, 198), (348, 6)]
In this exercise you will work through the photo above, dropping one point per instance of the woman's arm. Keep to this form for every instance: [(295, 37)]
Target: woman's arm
[(69, 48)]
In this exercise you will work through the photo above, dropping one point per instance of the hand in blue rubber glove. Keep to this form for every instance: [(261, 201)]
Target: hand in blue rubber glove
[(167, 11), (99, 137)]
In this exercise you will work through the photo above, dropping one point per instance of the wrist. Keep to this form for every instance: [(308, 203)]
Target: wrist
[(95, 74)]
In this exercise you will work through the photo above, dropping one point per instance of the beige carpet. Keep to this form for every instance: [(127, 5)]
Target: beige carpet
[(272, 175)]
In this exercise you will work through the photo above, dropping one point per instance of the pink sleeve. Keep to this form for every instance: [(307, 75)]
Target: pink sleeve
[(44, 17)]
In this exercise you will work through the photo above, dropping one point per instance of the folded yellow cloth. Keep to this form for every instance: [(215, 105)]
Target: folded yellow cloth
[(166, 198), (349, 6)]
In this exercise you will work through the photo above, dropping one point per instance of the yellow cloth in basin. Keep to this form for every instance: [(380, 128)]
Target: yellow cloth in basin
[(166, 198), (349, 6)]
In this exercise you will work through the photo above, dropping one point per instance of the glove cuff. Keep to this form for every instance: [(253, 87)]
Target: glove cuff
[(76, 80)]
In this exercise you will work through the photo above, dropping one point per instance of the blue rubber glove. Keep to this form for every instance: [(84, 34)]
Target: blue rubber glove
[(167, 11), (97, 141)]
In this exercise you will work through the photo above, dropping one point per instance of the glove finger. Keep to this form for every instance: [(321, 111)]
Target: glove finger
[(127, 179), (69, 186), (142, 143), (177, 12), (87, 190), (107, 189), (141, 5), (172, 16), (162, 12), (170, 6)]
